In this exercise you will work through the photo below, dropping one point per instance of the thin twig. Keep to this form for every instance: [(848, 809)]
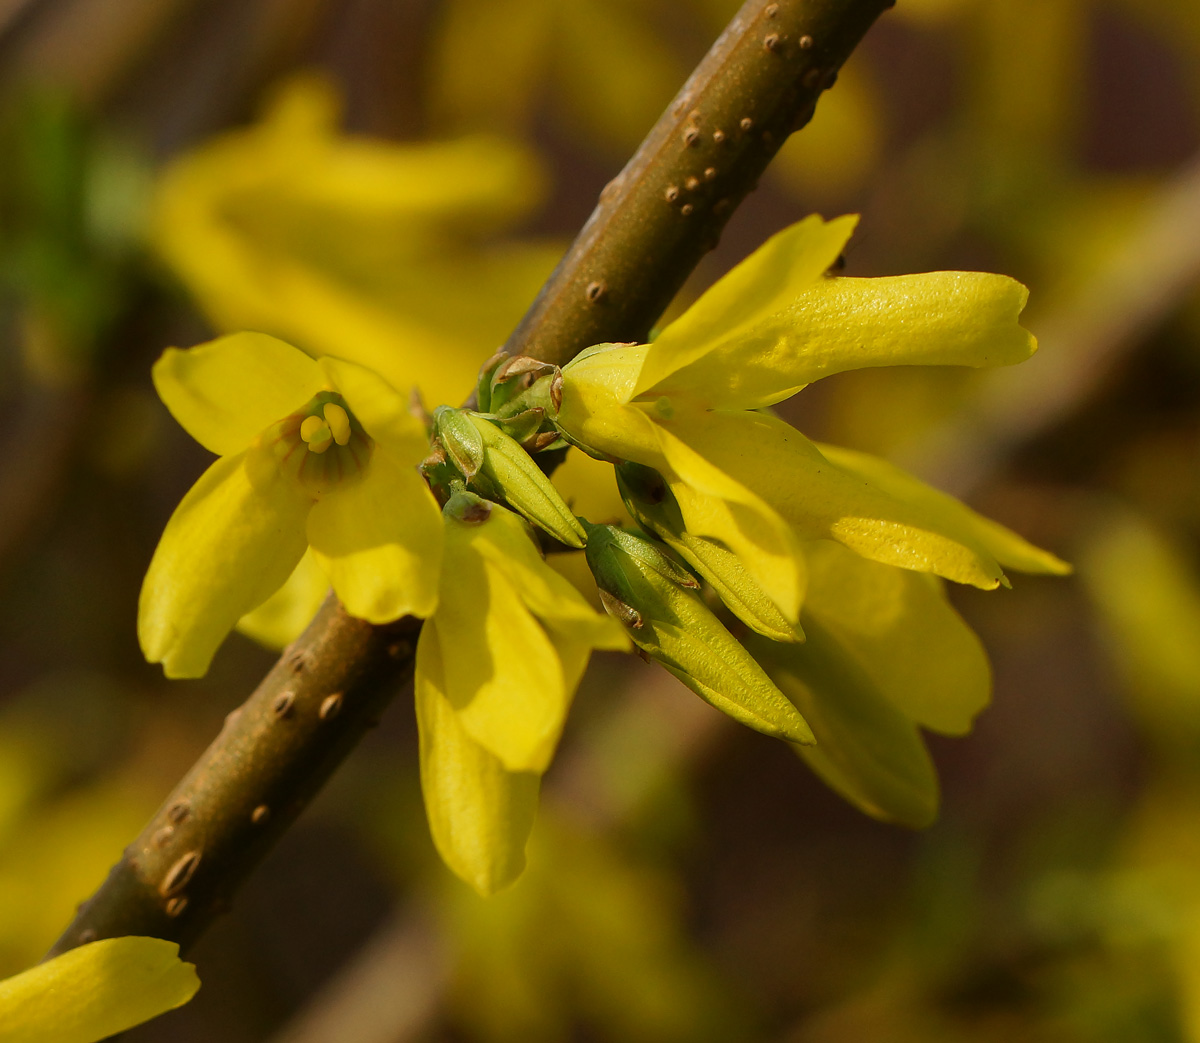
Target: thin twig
[(764, 75)]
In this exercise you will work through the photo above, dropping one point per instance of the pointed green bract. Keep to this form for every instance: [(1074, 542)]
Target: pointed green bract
[(461, 440), (480, 814), (199, 583), (523, 484), (95, 991), (655, 507), (671, 623), (225, 392)]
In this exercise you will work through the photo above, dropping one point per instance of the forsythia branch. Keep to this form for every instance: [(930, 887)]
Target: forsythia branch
[(654, 222)]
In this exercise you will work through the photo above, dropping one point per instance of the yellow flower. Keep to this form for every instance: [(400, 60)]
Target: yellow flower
[(316, 454), (95, 991), (497, 666), (691, 406), (371, 250)]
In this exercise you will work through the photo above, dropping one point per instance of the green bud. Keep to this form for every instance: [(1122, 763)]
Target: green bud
[(653, 506), (521, 383), (459, 438), (465, 506), (667, 619), (514, 476)]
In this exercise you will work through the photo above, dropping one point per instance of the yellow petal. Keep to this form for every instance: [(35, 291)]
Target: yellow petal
[(480, 814), (380, 541), (759, 538), (227, 391), (503, 675), (505, 542), (742, 314), (838, 324), (866, 749), (951, 515), (380, 408), (596, 387), (231, 543), (589, 489), (904, 634), (822, 501), (95, 991), (279, 620)]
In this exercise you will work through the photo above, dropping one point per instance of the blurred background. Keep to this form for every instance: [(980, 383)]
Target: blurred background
[(401, 175)]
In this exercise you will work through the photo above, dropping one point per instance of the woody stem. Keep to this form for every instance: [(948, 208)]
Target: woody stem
[(654, 221)]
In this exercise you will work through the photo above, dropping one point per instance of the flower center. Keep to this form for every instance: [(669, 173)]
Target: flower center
[(322, 445)]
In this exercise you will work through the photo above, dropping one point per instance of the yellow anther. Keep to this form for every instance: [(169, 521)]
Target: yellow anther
[(316, 433), (339, 422)]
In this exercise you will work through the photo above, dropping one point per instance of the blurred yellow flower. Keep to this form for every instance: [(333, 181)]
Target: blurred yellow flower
[(379, 252)]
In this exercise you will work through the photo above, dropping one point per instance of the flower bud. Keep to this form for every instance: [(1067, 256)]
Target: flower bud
[(654, 507), (514, 476), (658, 602), (521, 383), (459, 439)]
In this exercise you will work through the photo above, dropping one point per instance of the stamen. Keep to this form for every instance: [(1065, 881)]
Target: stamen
[(339, 422), (316, 433)]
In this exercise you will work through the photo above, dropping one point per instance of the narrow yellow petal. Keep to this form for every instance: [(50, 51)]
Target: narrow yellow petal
[(866, 749), (505, 542), (839, 324), (480, 815), (230, 544), (821, 500), (380, 408), (594, 412), (952, 515), (904, 634), (95, 991), (503, 675), (379, 540), (227, 391), (279, 620), (741, 313)]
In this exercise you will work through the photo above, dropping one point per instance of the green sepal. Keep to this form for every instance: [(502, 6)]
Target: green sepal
[(483, 384), (465, 506), (514, 476), (459, 438), (667, 619), (522, 427), (653, 506)]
